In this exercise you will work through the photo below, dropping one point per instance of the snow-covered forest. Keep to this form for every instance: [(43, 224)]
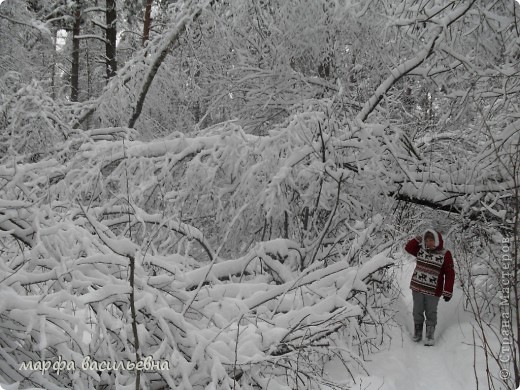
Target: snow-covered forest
[(216, 194)]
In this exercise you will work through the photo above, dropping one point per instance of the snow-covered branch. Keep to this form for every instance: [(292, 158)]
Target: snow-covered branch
[(409, 65)]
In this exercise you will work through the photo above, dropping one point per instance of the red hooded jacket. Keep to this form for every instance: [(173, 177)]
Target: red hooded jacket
[(434, 273)]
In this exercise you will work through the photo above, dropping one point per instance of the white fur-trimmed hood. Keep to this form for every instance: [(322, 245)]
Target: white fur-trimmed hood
[(439, 242)]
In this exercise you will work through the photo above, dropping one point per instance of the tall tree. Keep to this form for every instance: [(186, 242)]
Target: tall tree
[(75, 63), (111, 38), (147, 25)]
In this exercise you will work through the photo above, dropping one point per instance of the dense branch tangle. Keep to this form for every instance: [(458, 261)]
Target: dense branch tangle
[(79, 256), (248, 252)]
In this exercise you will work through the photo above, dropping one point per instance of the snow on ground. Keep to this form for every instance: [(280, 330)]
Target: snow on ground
[(407, 365)]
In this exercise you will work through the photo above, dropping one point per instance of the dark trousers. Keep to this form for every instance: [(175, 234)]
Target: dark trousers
[(424, 304)]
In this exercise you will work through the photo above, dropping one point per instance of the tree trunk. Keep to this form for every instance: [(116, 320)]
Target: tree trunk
[(74, 74), (54, 62), (111, 34), (147, 21)]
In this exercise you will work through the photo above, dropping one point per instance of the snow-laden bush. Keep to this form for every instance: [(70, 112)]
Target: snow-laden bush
[(31, 122), (231, 258)]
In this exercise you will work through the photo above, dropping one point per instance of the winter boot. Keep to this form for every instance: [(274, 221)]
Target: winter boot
[(418, 333), (430, 330)]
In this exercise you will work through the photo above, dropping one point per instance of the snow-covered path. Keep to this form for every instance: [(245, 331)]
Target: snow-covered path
[(449, 365)]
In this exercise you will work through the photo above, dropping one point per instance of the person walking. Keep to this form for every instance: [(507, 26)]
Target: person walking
[(433, 277)]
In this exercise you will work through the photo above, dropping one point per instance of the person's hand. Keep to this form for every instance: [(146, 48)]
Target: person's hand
[(447, 299), (418, 238)]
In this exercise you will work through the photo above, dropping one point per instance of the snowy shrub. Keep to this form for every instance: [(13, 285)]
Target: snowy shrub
[(31, 122), (210, 253)]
